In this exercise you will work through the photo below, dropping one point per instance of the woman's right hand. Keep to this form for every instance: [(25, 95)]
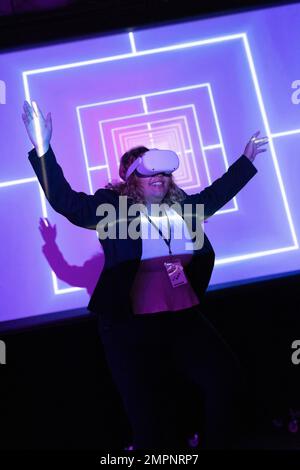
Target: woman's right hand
[(31, 114)]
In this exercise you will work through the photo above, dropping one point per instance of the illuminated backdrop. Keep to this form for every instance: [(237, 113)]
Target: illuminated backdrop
[(200, 88)]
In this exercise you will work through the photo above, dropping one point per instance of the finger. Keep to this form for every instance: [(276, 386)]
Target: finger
[(25, 118), (262, 140), (27, 109), (261, 143), (38, 110), (49, 119), (49, 225), (26, 105), (261, 150), (35, 109), (254, 135)]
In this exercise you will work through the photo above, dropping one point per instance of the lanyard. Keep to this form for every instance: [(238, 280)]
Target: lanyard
[(166, 240)]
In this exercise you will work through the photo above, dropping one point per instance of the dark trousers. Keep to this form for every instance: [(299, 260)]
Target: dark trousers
[(147, 352)]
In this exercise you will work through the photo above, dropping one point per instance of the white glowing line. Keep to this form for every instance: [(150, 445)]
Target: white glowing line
[(132, 43), (18, 181), (138, 97), (212, 102), (67, 290), (145, 108), (210, 147), (121, 118), (175, 108), (155, 130), (257, 254), (283, 134), (129, 116), (221, 143), (269, 135), (198, 181), (77, 64), (175, 47), (43, 201), (37, 127), (98, 167), (170, 136), (36, 123), (163, 92), (130, 126), (26, 86), (189, 45), (42, 195), (27, 97), (105, 154), (183, 176), (158, 50), (201, 144), (205, 158), (144, 104), (84, 153), (264, 116), (183, 173)]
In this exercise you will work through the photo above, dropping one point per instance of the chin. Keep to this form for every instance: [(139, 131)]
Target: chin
[(160, 194)]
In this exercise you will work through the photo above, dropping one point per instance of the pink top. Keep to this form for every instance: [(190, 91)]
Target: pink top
[(152, 290)]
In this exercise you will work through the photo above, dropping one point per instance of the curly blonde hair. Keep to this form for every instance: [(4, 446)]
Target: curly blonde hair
[(131, 187)]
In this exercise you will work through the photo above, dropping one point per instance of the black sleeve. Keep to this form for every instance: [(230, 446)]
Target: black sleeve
[(78, 207), (226, 187)]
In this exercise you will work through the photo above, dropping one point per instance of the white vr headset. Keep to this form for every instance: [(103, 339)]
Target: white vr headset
[(154, 161)]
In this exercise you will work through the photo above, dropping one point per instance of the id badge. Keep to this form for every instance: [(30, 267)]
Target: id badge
[(176, 273)]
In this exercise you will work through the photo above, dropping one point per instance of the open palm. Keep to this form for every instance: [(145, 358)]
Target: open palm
[(35, 124), (253, 146)]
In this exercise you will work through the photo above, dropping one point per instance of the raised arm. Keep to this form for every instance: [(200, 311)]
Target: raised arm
[(232, 181), (78, 207)]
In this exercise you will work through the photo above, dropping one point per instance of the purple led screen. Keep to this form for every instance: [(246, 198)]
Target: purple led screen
[(200, 88)]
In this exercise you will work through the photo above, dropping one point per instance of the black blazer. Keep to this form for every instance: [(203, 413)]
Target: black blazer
[(111, 297)]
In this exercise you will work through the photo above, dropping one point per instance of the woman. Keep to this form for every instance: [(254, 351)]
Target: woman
[(152, 328)]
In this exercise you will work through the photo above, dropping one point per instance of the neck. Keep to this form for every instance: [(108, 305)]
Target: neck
[(148, 204)]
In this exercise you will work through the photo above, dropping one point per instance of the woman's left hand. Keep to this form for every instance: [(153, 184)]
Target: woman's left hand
[(253, 146)]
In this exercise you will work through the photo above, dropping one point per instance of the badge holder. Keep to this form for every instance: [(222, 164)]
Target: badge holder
[(176, 273)]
